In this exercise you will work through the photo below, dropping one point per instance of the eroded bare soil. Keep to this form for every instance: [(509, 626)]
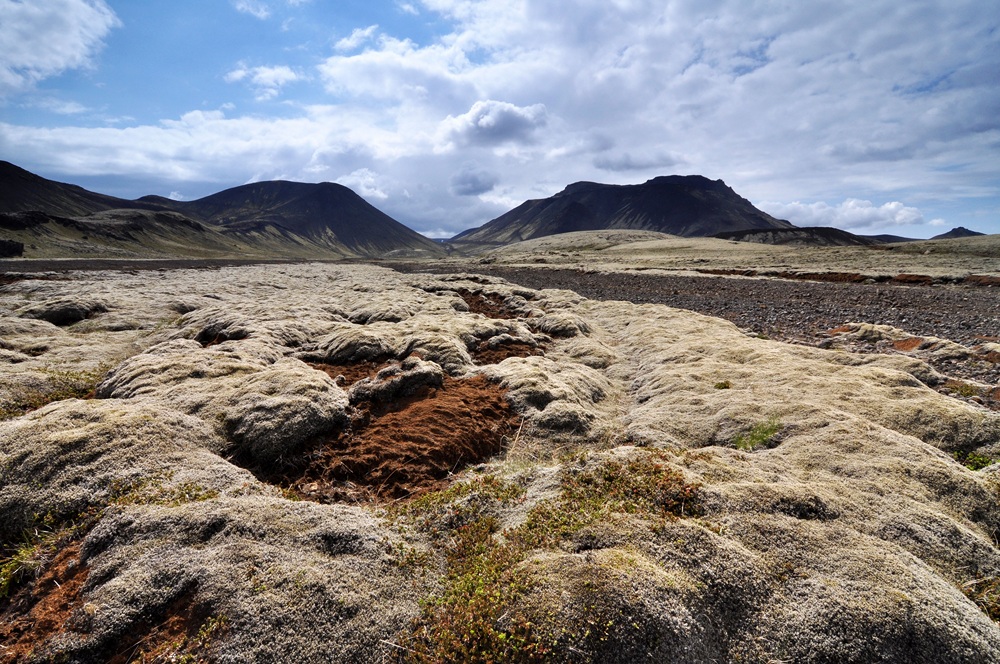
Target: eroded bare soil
[(396, 449)]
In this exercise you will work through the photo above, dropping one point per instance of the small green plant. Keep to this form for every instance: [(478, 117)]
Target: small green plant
[(761, 435), (986, 594), (38, 545), (973, 460), (475, 618), (187, 649), (962, 389), (153, 490), (25, 561), (723, 385), (60, 385)]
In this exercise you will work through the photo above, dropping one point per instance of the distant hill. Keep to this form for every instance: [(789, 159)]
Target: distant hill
[(327, 214), (266, 219), (816, 236), (23, 191), (685, 205), (961, 231), (889, 239)]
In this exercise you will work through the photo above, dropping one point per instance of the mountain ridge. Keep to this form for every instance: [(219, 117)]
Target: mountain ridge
[(684, 205), (270, 219)]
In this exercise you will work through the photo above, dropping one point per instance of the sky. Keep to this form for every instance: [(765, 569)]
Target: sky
[(875, 116)]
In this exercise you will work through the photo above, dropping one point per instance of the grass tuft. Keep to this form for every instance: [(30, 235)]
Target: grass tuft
[(973, 460), (61, 385), (761, 435), (476, 617)]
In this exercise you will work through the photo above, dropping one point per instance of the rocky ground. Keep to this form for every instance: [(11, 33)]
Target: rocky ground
[(798, 311), (346, 463)]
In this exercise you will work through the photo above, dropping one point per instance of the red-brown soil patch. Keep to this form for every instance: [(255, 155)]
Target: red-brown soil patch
[(490, 305), (395, 450), (834, 277), (42, 609), (728, 272), (484, 354), (918, 279), (181, 635), (843, 329), (353, 372), (982, 280), (907, 345), (978, 280)]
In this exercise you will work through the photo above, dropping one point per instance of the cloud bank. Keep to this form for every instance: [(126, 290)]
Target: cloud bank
[(852, 214), (505, 100)]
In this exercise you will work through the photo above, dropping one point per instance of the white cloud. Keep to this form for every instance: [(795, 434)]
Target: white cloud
[(491, 122), (175, 196), (254, 8), (399, 71), (42, 39), (638, 161), (365, 183), (358, 37), (59, 106), (266, 81), (408, 8), (852, 214)]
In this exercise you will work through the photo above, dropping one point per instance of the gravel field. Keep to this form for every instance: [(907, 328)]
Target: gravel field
[(780, 308), (795, 311), (799, 311)]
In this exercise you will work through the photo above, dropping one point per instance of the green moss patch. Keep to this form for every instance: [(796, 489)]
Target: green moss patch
[(476, 618)]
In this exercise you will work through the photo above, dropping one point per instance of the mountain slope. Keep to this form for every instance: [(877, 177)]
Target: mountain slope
[(959, 232), (690, 206), (327, 214), (23, 191), (262, 220), (816, 236)]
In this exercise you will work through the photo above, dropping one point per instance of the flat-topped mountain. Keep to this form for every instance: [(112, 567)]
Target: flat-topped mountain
[(685, 205), (266, 219), (960, 231), (814, 236)]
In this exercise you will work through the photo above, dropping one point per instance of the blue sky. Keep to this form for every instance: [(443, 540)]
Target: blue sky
[(875, 116)]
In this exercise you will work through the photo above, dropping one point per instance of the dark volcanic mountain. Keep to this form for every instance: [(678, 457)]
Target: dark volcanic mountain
[(961, 231), (686, 205), (326, 214), (266, 219), (23, 191), (814, 236)]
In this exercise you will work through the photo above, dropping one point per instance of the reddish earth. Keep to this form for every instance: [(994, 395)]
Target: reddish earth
[(52, 605), (175, 638), (483, 354), (42, 609), (982, 280), (490, 305), (907, 345), (395, 450), (352, 373), (856, 278)]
